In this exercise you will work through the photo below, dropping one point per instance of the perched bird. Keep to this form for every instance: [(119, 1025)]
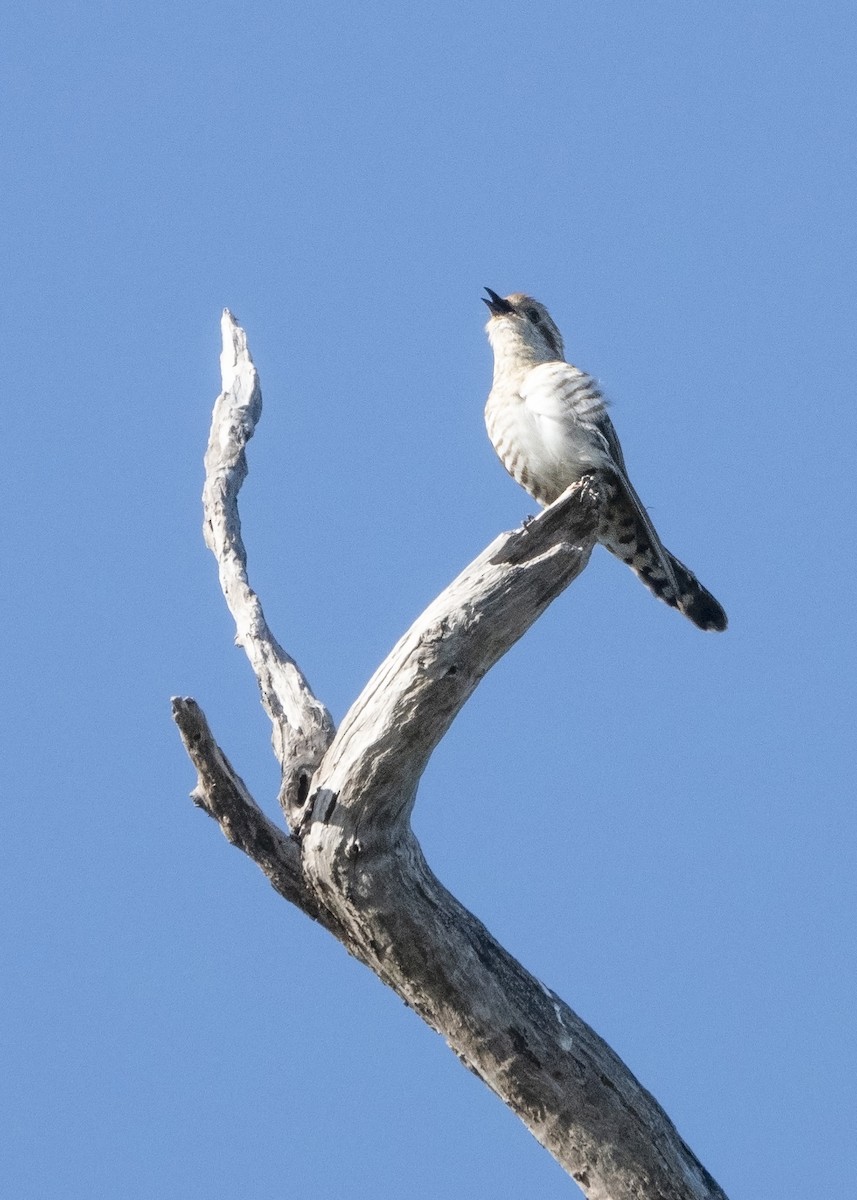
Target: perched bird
[(548, 422)]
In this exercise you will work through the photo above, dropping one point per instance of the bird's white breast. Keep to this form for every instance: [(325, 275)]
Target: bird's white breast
[(540, 427)]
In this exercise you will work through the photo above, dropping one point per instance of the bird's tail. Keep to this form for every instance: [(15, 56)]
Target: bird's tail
[(695, 601), (627, 532)]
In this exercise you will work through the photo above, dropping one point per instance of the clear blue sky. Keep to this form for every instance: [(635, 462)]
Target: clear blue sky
[(658, 823)]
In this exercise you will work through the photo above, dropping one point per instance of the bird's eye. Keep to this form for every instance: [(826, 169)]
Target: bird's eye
[(534, 315)]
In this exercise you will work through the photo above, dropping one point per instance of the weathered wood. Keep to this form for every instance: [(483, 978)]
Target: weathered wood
[(302, 726), (352, 861), (224, 796)]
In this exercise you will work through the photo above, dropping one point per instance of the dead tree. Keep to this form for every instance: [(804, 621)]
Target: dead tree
[(349, 858)]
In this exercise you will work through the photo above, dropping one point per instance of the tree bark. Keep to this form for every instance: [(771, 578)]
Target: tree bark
[(350, 859)]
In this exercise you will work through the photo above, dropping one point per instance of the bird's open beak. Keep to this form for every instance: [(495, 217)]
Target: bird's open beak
[(497, 305)]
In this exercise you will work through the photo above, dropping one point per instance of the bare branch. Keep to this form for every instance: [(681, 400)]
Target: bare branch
[(566, 1084), (224, 796), (302, 725), (386, 738), (354, 864), (573, 1093)]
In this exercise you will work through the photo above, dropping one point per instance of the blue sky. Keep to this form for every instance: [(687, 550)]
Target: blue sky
[(658, 823)]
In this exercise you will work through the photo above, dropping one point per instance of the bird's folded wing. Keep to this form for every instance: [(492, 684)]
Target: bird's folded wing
[(561, 392), (570, 413)]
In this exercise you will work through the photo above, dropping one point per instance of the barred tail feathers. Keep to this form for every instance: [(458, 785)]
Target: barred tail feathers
[(695, 601), (627, 531)]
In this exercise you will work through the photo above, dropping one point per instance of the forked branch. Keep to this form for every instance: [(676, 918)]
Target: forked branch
[(350, 859)]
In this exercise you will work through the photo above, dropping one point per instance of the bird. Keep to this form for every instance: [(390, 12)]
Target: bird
[(548, 423)]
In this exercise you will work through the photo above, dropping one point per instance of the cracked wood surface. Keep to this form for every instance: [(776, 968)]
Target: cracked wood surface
[(352, 863)]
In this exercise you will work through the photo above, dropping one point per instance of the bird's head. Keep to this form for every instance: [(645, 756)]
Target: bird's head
[(520, 327)]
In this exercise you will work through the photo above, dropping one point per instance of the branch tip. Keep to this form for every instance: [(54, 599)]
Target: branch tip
[(235, 353)]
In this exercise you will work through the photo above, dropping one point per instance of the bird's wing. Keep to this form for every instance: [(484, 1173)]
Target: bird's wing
[(606, 430), (558, 394), (558, 391), (570, 413), (645, 530), (628, 495)]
